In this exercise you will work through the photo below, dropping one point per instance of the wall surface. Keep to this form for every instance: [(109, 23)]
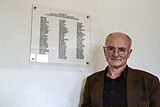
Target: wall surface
[(24, 84)]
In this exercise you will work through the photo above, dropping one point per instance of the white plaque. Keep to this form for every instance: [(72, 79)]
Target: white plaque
[(59, 36)]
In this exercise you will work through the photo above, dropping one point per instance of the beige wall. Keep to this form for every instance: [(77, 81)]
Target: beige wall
[(23, 84)]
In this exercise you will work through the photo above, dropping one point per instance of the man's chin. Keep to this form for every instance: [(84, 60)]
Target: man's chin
[(116, 65)]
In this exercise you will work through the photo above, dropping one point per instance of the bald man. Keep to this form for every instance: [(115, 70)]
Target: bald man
[(119, 85)]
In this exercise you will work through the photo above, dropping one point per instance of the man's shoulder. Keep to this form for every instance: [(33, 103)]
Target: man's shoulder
[(141, 73), (98, 74)]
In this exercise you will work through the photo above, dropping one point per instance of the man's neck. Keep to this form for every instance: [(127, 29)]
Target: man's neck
[(114, 72)]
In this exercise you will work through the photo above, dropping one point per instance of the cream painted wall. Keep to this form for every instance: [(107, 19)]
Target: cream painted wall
[(23, 84)]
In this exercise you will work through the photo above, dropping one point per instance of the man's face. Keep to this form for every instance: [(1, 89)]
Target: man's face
[(117, 50)]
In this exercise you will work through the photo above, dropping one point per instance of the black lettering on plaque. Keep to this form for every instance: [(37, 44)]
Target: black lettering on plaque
[(62, 44), (43, 42), (80, 39)]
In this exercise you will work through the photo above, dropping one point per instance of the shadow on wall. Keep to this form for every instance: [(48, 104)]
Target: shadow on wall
[(82, 90), (97, 59), (97, 63)]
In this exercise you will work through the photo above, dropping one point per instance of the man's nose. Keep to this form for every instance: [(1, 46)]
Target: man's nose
[(116, 53)]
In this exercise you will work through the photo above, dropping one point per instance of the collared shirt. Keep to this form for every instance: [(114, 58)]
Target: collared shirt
[(114, 93)]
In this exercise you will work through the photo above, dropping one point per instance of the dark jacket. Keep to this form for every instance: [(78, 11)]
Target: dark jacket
[(143, 89)]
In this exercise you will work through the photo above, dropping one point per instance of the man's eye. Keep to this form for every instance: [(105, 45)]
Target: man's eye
[(111, 48), (122, 49)]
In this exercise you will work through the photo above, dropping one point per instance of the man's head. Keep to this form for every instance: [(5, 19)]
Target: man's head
[(117, 49)]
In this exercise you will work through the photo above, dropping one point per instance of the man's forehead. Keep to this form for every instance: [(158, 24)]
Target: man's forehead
[(118, 36), (118, 40)]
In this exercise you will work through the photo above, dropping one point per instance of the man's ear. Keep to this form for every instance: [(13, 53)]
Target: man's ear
[(104, 50), (130, 51)]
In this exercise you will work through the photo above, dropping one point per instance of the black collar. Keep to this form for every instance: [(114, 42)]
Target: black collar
[(123, 75)]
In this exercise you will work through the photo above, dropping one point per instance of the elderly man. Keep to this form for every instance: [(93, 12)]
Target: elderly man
[(119, 85)]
